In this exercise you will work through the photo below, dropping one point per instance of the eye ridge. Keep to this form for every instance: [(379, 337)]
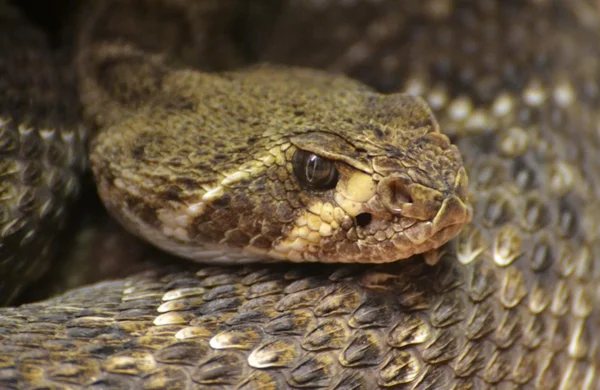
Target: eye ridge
[(314, 172)]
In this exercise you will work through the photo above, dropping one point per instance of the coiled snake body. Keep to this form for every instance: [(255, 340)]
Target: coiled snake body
[(301, 165)]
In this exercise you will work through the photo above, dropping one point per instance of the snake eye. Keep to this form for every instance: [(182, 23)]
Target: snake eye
[(314, 172)]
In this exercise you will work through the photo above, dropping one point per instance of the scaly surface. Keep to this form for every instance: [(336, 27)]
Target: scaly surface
[(205, 165), (513, 302), (41, 153)]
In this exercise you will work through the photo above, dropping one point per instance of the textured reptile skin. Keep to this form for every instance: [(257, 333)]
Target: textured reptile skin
[(513, 303), (41, 153), (234, 191)]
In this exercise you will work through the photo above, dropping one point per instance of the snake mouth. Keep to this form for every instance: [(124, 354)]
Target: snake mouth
[(406, 236), (370, 234), (376, 222), (407, 218), (412, 217)]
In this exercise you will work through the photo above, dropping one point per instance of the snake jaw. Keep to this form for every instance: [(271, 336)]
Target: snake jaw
[(396, 217), (362, 224)]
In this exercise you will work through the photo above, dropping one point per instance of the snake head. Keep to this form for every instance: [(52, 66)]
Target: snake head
[(400, 190), (282, 164)]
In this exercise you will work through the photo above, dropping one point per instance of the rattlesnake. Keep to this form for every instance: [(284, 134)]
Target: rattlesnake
[(510, 302)]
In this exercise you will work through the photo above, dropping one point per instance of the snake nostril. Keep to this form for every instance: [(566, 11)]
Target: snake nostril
[(395, 193), (399, 193), (363, 219)]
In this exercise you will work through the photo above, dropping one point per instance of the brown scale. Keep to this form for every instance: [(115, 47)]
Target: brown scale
[(512, 302), (41, 153)]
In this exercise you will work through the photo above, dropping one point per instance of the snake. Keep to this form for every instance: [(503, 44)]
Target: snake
[(401, 194)]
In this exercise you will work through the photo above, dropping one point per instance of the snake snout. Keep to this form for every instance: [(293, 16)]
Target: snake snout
[(402, 197), (411, 200)]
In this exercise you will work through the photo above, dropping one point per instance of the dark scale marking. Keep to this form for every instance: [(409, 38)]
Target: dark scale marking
[(180, 104), (187, 183), (173, 193), (222, 201)]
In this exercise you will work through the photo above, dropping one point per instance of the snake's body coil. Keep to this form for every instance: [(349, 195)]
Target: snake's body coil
[(295, 164)]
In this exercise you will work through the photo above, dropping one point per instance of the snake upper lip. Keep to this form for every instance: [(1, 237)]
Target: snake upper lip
[(442, 204), (453, 212)]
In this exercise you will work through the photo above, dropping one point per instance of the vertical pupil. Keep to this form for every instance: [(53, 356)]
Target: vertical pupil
[(314, 172), (312, 168)]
